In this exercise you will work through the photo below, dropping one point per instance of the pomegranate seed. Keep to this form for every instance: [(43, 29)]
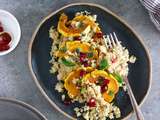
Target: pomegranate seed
[(105, 82), (1, 29), (78, 38), (81, 59), (5, 38), (104, 85), (91, 102), (85, 63), (99, 35), (82, 73), (4, 47), (82, 56), (103, 88)]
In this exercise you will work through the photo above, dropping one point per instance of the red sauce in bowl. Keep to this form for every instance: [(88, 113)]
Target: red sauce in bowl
[(1, 28), (5, 39)]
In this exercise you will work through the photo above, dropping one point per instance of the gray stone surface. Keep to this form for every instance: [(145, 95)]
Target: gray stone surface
[(15, 78)]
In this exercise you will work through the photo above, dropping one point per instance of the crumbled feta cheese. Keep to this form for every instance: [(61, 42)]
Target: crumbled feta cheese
[(78, 114), (53, 70), (70, 38), (86, 116), (75, 81), (59, 76), (94, 17), (103, 49), (63, 97), (111, 115), (76, 109), (78, 24), (59, 87), (93, 63), (132, 59), (53, 34)]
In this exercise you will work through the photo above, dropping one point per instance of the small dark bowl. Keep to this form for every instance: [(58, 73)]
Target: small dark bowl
[(15, 110), (40, 46)]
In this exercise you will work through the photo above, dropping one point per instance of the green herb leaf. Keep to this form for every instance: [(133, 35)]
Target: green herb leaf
[(79, 81), (110, 93), (90, 55), (118, 78), (83, 90), (67, 62), (63, 49), (103, 64)]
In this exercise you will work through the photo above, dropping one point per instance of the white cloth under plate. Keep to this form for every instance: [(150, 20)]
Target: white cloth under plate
[(153, 7)]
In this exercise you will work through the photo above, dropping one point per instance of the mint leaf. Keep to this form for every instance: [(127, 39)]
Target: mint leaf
[(67, 62), (82, 90), (118, 78), (63, 49), (103, 64), (90, 55)]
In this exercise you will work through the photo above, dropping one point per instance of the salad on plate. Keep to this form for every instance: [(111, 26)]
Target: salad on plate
[(87, 71)]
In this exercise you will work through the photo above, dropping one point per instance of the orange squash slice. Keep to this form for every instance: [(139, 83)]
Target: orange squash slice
[(69, 85), (112, 86), (73, 45), (107, 97), (65, 31), (87, 21)]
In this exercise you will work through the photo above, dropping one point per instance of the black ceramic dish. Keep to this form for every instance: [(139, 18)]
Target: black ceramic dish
[(40, 46), (15, 110)]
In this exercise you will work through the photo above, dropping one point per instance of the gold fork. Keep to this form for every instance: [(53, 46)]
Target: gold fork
[(111, 42)]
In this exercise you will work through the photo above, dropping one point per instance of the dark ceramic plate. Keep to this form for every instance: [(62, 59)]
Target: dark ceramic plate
[(16, 110), (40, 46)]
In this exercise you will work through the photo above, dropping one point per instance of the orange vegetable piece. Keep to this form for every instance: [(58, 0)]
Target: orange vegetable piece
[(108, 97), (70, 86), (65, 31), (87, 21), (72, 89), (112, 85), (73, 45)]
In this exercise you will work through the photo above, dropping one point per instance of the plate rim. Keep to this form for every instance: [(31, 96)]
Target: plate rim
[(23, 104), (112, 14)]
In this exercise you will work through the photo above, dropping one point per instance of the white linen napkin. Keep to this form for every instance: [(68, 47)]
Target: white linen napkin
[(153, 7)]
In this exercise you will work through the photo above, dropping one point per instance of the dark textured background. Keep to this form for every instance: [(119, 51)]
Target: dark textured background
[(15, 78)]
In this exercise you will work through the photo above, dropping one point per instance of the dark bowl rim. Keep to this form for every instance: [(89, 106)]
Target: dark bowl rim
[(25, 105), (112, 14)]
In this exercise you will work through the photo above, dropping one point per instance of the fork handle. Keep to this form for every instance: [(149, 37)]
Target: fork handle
[(135, 106)]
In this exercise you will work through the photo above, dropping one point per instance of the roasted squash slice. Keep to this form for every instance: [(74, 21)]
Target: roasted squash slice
[(65, 31), (69, 85), (73, 45), (87, 21), (107, 97), (113, 86)]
